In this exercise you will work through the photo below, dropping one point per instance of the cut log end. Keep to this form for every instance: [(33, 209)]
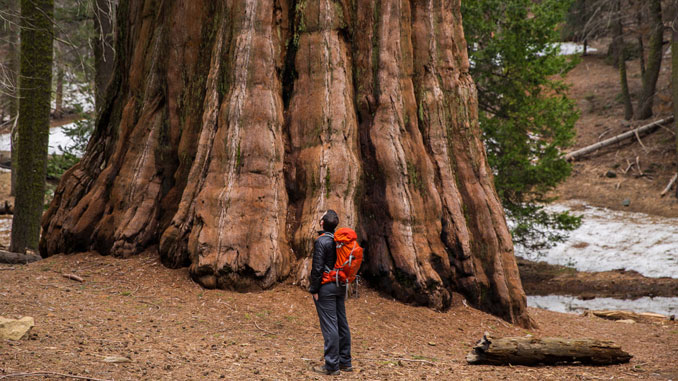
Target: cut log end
[(546, 351)]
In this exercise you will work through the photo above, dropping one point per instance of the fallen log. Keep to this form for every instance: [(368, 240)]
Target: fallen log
[(643, 130), (547, 351), (17, 258), (641, 317)]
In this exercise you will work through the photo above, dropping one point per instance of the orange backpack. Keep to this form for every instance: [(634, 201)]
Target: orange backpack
[(349, 258)]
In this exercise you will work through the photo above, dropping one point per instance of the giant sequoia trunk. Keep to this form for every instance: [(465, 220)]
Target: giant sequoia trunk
[(231, 126)]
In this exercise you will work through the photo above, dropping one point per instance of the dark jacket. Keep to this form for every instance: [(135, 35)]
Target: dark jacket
[(324, 254)]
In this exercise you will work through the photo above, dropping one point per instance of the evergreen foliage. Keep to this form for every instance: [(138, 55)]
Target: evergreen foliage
[(526, 117)]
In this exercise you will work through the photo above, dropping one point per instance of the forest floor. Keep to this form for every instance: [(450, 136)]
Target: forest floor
[(164, 326)]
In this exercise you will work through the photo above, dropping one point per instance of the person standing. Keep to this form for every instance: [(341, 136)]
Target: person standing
[(329, 299)]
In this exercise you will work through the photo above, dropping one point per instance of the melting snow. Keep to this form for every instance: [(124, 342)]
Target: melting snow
[(560, 303), (609, 240), (568, 48), (77, 94)]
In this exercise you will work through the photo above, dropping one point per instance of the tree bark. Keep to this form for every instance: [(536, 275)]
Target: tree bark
[(34, 107), (643, 317), (102, 44), (621, 61), (641, 43), (231, 126), (13, 71), (547, 351), (654, 60), (674, 79), (4, 38), (637, 132)]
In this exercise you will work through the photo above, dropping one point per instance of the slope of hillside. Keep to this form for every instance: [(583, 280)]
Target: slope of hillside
[(638, 170)]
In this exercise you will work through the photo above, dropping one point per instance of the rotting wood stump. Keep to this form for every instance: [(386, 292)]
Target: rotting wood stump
[(546, 351)]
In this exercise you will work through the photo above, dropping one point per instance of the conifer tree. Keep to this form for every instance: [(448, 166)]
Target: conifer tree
[(526, 117)]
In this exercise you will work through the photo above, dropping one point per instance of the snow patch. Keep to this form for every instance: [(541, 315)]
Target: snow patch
[(57, 137), (609, 240), (569, 48), (77, 95), (570, 304)]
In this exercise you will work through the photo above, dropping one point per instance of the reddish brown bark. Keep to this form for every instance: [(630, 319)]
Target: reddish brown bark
[(231, 126)]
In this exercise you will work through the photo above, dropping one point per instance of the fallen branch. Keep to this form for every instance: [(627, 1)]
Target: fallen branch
[(17, 258), (554, 350), (398, 359), (640, 171), (73, 277), (415, 360), (29, 374), (670, 185), (643, 130), (627, 315), (149, 303), (261, 329)]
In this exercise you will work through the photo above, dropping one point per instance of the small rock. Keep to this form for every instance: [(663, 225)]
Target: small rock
[(626, 202), (15, 329), (611, 174)]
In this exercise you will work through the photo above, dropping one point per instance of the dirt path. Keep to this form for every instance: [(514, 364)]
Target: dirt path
[(172, 329)]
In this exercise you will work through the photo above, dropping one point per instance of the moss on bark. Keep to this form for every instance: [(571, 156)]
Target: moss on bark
[(34, 108)]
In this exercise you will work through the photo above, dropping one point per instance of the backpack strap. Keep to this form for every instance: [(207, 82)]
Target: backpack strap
[(327, 268)]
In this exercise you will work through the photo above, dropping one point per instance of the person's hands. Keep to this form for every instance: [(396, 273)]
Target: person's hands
[(315, 297)]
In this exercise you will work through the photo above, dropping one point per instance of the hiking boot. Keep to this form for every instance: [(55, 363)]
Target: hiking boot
[(325, 371), (345, 368)]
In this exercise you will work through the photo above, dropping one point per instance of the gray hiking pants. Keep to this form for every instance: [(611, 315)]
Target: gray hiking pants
[(334, 326)]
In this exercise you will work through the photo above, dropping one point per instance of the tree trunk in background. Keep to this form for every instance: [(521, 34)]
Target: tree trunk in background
[(104, 52), (641, 44), (654, 60), (59, 97), (618, 30), (13, 71), (4, 38), (231, 126), (35, 90), (674, 80)]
